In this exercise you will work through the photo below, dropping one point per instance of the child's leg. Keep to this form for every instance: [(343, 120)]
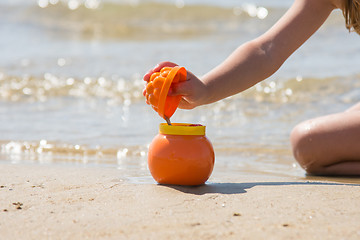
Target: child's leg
[(329, 145)]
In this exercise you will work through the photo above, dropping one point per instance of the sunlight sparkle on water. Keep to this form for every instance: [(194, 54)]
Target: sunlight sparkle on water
[(71, 4), (61, 62), (252, 10), (180, 3), (92, 4), (43, 3)]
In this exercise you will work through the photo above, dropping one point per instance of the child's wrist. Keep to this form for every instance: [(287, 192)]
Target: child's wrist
[(206, 95)]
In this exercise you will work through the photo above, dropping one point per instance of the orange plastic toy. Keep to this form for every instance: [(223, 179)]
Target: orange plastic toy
[(158, 87), (181, 154)]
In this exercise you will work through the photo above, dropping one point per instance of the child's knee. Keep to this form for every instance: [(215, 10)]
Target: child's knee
[(304, 147)]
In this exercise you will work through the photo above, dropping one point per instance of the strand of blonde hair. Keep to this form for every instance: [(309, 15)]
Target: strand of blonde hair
[(351, 13)]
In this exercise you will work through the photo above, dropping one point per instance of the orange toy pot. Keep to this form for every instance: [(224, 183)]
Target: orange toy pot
[(181, 154)]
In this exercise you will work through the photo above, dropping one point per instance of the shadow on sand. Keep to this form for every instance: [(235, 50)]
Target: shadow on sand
[(238, 188)]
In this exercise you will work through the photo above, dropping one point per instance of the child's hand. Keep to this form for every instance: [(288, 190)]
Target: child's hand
[(193, 90)]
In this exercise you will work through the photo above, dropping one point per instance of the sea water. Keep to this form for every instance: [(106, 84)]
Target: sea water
[(71, 81)]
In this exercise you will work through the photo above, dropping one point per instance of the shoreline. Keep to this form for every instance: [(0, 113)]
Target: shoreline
[(62, 202)]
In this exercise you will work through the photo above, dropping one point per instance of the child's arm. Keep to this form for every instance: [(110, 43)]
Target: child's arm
[(258, 59)]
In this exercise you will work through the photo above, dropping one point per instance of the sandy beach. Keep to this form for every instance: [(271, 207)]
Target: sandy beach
[(67, 202)]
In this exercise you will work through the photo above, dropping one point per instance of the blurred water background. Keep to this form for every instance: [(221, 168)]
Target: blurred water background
[(71, 81)]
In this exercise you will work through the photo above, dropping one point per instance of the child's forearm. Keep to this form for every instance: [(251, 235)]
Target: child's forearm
[(248, 65)]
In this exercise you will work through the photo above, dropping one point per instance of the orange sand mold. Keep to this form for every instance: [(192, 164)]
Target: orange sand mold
[(158, 87)]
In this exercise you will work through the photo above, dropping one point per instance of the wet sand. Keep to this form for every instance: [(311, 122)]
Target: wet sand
[(62, 202)]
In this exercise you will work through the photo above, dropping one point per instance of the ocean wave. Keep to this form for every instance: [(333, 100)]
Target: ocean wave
[(300, 89), (44, 151), (128, 91), (134, 19), (31, 88)]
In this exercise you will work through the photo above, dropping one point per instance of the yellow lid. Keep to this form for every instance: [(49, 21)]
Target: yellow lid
[(182, 129)]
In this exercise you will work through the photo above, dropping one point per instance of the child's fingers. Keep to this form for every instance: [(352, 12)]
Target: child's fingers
[(157, 68), (147, 76), (144, 92)]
